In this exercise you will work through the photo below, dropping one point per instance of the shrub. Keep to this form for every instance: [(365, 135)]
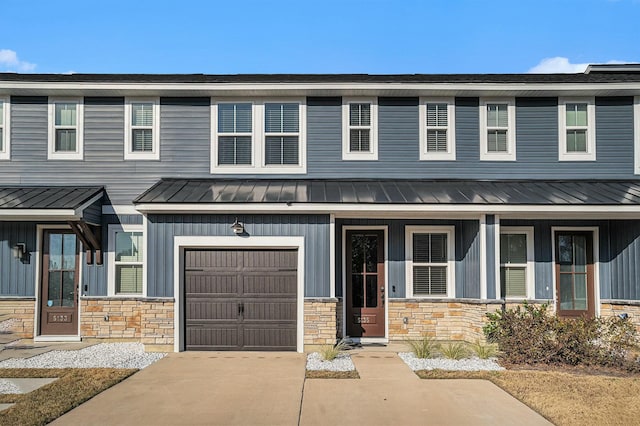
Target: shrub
[(330, 352), (454, 350), (484, 350), (423, 348), (529, 334)]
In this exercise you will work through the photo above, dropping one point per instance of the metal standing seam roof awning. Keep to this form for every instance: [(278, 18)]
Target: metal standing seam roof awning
[(79, 207), (52, 203), (318, 195)]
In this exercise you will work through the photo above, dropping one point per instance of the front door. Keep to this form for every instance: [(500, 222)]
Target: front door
[(365, 283), (59, 284), (575, 295)]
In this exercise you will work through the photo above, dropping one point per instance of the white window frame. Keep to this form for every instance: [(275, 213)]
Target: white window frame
[(451, 264), (129, 154), (636, 135), (530, 265), (450, 154), (590, 155), (372, 154), (510, 155), (78, 154), (5, 152), (111, 259), (258, 139)]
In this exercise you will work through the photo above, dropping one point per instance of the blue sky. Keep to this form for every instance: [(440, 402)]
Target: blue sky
[(316, 36)]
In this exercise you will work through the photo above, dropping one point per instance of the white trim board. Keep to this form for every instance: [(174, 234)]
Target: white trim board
[(180, 243)]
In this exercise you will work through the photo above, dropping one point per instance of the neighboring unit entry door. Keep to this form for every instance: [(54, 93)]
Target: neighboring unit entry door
[(365, 287), (575, 289), (59, 284)]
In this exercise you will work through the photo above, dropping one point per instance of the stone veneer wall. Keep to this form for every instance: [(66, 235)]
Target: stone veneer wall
[(441, 320), (149, 321), (611, 308), (22, 312), (320, 322)]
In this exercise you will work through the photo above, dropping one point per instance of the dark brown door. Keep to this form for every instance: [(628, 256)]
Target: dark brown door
[(59, 284), (365, 283), (575, 290), (241, 299)]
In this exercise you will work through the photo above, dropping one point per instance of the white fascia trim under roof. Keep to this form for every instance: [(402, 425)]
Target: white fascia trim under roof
[(329, 89), (39, 214), (382, 208)]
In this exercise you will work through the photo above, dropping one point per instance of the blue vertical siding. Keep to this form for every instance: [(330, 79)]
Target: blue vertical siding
[(625, 260), (17, 277), (163, 228), (467, 253)]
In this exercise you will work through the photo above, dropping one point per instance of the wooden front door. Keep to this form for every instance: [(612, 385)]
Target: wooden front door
[(575, 290), (365, 283), (59, 284)]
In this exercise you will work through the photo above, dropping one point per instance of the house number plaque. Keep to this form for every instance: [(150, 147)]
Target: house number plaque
[(364, 319)]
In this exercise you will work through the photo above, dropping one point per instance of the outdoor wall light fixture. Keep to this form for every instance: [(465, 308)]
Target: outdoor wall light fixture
[(19, 250), (238, 227)]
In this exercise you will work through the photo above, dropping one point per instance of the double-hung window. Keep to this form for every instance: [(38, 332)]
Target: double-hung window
[(141, 139), (437, 129), (258, 135), (66, 117), (281, 134), (577, 139), (359, 129), (430, 261), (516, 263), (126, 266), (497, 130), (234, 134), (5, 149)]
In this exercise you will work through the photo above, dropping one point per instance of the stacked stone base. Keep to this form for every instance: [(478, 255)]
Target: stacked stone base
[(149, 321), (612, 308), (21, 312), (320, 322)]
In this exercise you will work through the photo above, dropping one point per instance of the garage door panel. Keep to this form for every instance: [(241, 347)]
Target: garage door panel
[(241, 299), (259, 338), (271, 285), (270, 311), (201, 283), (211, 310), (219, 338)]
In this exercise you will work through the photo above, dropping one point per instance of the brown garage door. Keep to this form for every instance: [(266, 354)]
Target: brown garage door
[(240, 299)]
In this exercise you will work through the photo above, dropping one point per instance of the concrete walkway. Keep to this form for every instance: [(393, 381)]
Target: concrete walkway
[(269, 389)]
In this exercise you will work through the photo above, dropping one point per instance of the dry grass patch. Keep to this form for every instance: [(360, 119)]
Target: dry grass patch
[(72, 388), (564, 398), (323, 374)]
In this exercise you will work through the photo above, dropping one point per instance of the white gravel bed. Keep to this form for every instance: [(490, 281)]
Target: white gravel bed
[(341, 363), (5, 325), (103, 355), (467, 364), (7, 386)]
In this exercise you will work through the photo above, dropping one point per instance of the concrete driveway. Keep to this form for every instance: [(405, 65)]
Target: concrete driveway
[(215, 388)]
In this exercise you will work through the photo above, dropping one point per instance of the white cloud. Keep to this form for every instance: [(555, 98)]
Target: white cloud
[(562, 65), (9, 62)]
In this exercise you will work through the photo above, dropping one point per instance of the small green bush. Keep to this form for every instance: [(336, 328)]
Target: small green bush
[(455, 350), (528, 334), (484, 350), (423, 348), (330, 352)]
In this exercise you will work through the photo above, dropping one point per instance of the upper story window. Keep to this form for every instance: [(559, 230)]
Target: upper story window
[(66, 116), (437, 129), (5, 149), (126, 260), (359, 129), (258, 136), (430, 261), (516, 263), (142, 129), (576, 125), (497, 130)]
